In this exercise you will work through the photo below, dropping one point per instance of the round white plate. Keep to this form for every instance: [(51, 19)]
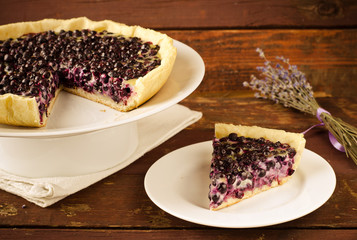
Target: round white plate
[(178, 183), (73, 115)]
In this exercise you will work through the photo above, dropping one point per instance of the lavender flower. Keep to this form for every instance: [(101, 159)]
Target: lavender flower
[(285, 84)]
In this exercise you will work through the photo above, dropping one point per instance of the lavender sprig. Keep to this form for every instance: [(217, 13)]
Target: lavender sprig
[(285, 84)]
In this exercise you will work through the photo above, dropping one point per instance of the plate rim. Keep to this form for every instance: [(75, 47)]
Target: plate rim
[(317, 204), (94, 127)]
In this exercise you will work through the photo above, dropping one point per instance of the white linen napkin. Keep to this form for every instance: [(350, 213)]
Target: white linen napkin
[(152, 131)]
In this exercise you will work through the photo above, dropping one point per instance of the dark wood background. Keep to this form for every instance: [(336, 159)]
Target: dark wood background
[(320, 36), (198, 14)]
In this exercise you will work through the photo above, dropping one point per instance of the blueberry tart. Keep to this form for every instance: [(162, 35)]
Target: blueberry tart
[(247, 160), (111, 63)]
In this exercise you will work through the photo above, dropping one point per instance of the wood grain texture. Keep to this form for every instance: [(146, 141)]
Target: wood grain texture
[(327, 57), (260, 112), (183, 14), (209, 234)]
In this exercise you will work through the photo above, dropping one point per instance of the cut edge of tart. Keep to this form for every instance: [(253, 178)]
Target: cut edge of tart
[(22, 111), (228, 187)]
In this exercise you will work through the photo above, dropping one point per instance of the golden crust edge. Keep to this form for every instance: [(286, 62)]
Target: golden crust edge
[(17, 110), (22, 111), (14, 30)]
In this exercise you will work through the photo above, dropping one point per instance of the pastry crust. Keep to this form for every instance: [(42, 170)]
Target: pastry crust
[(295, 140), (23, 111), (18, 110)]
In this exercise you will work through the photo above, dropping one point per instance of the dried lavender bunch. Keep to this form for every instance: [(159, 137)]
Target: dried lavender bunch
[(285, 84)]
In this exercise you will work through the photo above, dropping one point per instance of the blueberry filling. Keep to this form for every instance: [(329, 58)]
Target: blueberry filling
[(241, 164), (37, 64)]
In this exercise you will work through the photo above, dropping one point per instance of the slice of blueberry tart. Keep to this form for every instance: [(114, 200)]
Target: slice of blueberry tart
[(247, 160), (111, 63)]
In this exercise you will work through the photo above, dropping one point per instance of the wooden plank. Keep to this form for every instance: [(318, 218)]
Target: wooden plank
[(327, 57), (181, 14), (74, 234), (234, 109)]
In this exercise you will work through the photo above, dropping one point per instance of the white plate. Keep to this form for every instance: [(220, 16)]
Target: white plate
[(178, 184), (73, 115)]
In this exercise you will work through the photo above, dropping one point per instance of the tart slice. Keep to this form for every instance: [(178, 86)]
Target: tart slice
[(111, 63), (247, 160)]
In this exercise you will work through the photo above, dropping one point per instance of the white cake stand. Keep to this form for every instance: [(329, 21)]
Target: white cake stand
[(82, 137)]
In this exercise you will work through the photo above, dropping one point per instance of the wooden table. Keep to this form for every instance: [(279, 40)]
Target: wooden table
[(319, 36)]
